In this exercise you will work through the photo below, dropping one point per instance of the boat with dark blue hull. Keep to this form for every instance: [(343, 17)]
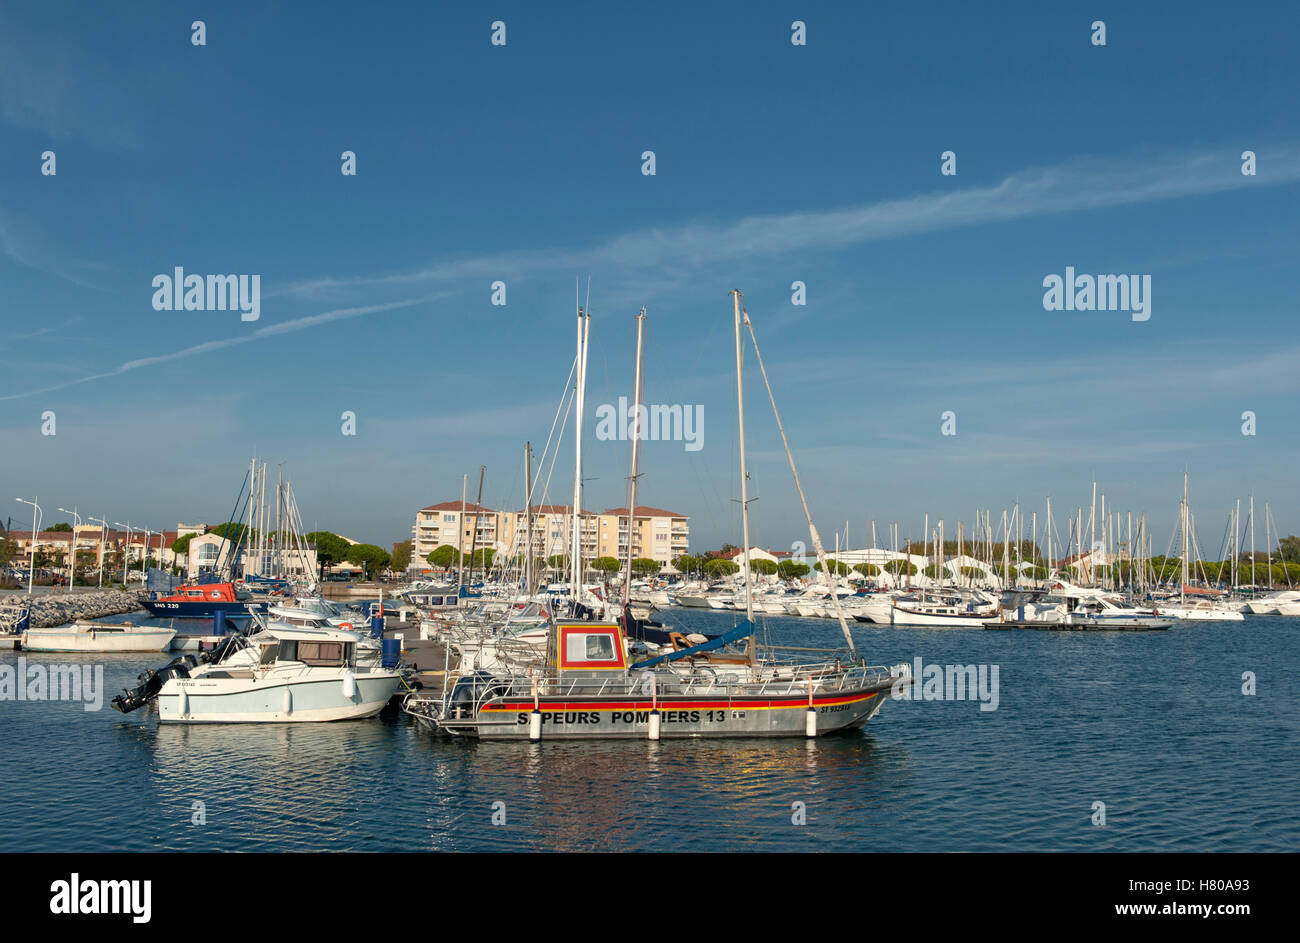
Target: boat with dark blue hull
[(199, 601)]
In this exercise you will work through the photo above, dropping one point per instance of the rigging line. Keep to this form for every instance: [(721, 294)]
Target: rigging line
[(812, 528)]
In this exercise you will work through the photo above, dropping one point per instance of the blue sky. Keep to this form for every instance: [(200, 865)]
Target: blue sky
[(775, 163)]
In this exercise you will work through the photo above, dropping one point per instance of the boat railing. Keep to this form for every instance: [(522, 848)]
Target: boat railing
[(825, 678)]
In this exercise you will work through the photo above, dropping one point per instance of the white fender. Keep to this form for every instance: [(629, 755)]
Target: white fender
[(288, 700), (182, 703), (349, 685)]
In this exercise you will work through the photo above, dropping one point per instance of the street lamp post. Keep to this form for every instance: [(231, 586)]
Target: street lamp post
[(144, 562), (103, 532), (72, 557), (37, 516), (126, 554)]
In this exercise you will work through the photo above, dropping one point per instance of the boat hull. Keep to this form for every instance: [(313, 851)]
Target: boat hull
[(689, 716), (88, 639), (198, 609), (970, 620), (229, 701)]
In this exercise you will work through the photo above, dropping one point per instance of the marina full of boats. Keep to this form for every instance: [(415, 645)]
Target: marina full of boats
[(524, 659)]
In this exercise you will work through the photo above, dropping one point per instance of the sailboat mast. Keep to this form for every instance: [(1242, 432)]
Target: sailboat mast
[(460, 536), (1182, 590), (584, 322), (750, 648), (473, 540), (1252, 540), (528, 518), (636, 442)]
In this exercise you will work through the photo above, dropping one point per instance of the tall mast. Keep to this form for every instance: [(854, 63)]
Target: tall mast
[(1182, 590), (279, 522), (1049, 536), (528, 519), (636, 441), (584, 323), (1252, 539), (473, 540), (750, 648), (1268, 546), (460, 536)]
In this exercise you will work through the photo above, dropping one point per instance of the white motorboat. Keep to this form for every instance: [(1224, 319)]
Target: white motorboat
[(1271, 605), (98, 637), (283, 674), (1201, 611), (945, 610)]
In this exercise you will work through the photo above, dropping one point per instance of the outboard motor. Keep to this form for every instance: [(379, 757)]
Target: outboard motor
[(467, 694), (151, 683)]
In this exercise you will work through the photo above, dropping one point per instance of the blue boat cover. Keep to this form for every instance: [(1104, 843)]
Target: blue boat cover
[(744, 630)]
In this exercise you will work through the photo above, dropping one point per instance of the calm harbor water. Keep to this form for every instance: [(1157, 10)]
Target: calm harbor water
[(1153, 724)]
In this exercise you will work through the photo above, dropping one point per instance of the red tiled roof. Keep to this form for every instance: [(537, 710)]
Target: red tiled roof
[(645, 511), (455, 506), (553, 509)]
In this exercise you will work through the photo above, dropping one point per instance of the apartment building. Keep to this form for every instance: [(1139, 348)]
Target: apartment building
[(658, 534)]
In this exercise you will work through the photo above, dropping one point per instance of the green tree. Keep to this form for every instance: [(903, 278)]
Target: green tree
[(686, 563), (401, 556), (905, 567), (835, 566), (719, 567), (482, 558), (231, 531), (8, 550), (442, 557), (867, 569), (181, 545), (330, 548), (764, 567), (370, 558), (605, 565), (558, 561), (643, 566), (1289, 550), (62, 527), (792, 569)]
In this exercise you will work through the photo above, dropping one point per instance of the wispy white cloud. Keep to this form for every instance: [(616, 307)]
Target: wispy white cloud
[(271, 330), (1078, 186)]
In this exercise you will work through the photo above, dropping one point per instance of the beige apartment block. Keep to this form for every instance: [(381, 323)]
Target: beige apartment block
[(659, 534)]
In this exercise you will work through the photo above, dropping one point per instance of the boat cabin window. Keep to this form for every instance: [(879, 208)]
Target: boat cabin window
[(319, 654), (272, 651), (191, 593), (327, 654), (590, 647)]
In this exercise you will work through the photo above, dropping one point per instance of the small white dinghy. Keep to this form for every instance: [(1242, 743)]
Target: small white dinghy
[(98, 637)]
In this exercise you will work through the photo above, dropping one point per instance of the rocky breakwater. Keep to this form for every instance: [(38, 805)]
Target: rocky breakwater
[(62, 608)]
